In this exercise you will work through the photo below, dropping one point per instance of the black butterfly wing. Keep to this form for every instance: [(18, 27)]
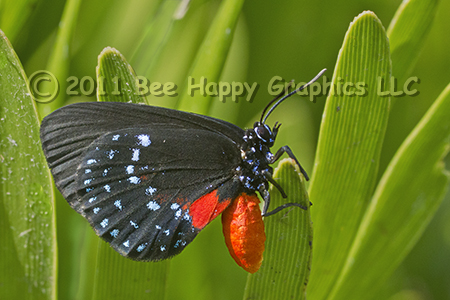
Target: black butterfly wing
[(68, 131), (137, 182)]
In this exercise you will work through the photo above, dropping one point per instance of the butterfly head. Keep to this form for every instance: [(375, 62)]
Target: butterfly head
[(265, 134)]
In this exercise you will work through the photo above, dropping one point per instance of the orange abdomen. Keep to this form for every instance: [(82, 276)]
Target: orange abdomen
[(243, 228)]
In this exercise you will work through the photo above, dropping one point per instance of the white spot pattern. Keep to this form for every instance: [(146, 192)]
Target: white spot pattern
[(144, 140), (136, 153), (134, 224), (91, 161), (141, 247), (186, 216), (111, 153), (114, 233), (118, 204), (134, 179), (150, 191), (104, 223), (105, 171), (152, 205), (130, 169)]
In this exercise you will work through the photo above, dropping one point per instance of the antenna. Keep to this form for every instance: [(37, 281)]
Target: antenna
[(264, 118)]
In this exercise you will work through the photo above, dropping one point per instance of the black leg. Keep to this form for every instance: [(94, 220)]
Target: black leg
[(269, 177), (286, 149), (266, 196), (281, 207)]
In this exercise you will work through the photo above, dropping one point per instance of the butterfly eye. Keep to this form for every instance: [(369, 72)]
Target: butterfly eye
[(263, 132)]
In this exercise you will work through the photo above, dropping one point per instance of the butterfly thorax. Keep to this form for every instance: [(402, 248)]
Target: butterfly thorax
[(256, 156)]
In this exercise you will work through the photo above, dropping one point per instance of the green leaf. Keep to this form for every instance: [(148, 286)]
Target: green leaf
[(117, 277), (70, 230), (235, 70), (13, 15), (27, 220), (116, 78), (168, 48), (211, 57), (155, 36), (287, 258), (407, 32), (349, 146), (407, 197), (60, 58)]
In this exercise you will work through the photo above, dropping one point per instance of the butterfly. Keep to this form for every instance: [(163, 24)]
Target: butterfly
[(149, 179)]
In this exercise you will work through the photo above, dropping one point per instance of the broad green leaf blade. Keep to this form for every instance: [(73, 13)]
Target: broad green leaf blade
[(13, 15), (177, 49), (117, 277), (159, 58), (349, 146), (69, 231), (83, 285), (211, 57), (406, 199), (60, 58), (116, 79), (156, 35), (287, 259), (234, 72), (27, 220), (407, 32)]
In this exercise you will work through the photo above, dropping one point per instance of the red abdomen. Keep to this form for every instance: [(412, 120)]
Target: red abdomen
[(243, 228)]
